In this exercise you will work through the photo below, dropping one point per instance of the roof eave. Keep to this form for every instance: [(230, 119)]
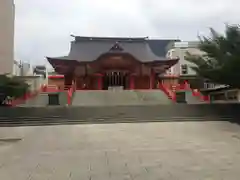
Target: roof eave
[(161, 61)]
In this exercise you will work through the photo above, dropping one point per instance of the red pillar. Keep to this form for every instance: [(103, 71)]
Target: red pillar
[(99, 81), (131, 82), (152, 80)]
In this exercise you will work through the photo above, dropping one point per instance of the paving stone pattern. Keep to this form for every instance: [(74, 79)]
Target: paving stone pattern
[(145, 151)]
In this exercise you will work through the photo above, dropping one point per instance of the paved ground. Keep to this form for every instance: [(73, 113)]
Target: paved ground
[(146, 151)]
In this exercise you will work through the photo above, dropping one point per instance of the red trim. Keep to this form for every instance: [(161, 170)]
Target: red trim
[(56, 77)]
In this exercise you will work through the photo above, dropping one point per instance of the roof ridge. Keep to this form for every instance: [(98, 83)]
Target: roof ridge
[(89, 38)]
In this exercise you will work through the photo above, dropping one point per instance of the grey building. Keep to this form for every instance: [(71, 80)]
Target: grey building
[(7, 18)]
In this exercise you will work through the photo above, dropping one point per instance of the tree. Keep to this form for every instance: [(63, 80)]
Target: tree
[(220, 62), (11, 87)]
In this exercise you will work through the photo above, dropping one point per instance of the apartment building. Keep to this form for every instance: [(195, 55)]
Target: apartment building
[(7, 18), (183, 67)]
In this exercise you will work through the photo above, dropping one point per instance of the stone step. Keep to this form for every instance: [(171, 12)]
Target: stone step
[(103, 120)]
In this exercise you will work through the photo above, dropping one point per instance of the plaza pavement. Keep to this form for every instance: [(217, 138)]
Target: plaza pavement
[(136, 151)]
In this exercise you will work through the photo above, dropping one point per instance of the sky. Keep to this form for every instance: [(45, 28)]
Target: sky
[(43, 27)]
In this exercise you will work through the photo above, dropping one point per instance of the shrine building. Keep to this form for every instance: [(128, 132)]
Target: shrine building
[(98, 63)]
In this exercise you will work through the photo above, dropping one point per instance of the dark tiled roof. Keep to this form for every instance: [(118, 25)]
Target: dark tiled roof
[(160, 47), (90, 48)]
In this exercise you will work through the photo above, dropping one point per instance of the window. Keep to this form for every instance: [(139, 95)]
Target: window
[(169, 71), (184, 69)]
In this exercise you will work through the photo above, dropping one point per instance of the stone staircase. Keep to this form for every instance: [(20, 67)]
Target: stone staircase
[(119, 97), (40, 116)]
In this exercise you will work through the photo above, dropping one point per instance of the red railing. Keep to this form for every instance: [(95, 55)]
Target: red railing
[(44, 88), (171, 94), (68, 88), (171, 90), (50, 88), (70, 91), (69, 95), (54, 88), (183, 86), (195, 92)]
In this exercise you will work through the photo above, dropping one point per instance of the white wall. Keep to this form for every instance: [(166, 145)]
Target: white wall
[(16, 68), (27, 69), (22, 69), (7, 16), (35, 82)]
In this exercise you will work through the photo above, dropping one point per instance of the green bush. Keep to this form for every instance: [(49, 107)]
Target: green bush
[(12, 87)]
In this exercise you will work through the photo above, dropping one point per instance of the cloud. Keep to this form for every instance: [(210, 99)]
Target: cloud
[(43, 27)]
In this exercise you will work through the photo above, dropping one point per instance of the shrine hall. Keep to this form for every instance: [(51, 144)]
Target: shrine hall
[(99, 63)]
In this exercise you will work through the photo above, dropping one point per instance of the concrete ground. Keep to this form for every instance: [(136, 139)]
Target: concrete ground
[(141, 151)]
